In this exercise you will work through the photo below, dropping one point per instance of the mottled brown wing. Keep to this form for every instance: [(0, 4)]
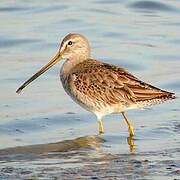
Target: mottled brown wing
[(112, 84)]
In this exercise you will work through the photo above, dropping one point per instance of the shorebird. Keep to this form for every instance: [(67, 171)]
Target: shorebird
[(99, 87)]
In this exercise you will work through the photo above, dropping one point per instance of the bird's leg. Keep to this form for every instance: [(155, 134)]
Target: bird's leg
[(132, 146), (130, 139), (101, 127), (130, 126)]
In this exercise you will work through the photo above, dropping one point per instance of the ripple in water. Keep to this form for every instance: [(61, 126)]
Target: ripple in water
[(7, 42), (151, 6)]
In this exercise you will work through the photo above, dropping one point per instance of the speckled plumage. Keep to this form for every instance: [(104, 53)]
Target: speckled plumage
[(97, 86), (100, 87)]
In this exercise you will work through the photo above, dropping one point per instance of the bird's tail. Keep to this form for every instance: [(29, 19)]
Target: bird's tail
[(156, 98)]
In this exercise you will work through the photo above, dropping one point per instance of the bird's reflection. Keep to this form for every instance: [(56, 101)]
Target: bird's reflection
[(86, 142), (94, 142)]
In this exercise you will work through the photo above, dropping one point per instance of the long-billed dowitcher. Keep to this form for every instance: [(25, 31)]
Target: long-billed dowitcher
[(100, 87)]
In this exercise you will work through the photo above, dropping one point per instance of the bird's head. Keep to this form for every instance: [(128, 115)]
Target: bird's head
[(73, 46)]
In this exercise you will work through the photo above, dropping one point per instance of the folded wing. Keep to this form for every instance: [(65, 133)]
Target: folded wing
[(112, 85)]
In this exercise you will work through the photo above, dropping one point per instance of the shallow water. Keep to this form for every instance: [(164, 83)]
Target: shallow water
[(44, 134)]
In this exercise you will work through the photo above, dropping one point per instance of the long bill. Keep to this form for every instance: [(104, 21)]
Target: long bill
[(54, 60)]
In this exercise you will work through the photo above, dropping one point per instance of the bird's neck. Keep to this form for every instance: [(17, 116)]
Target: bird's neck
[(69, 65)]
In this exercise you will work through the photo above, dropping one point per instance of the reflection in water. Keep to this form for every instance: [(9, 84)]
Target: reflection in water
[(66, 159), (82, 143), (86, 142)]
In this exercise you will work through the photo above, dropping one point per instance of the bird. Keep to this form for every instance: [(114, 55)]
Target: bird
[(99, 87)]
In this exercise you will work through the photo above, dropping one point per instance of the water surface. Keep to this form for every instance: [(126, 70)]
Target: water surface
[(44, 134)]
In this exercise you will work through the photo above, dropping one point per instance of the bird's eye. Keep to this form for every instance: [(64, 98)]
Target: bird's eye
[(70, 43)]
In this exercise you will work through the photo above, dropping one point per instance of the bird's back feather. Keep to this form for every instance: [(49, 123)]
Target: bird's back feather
[(109, 85)]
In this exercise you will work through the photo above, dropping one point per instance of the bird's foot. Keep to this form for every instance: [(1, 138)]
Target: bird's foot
[(101, 132), (132, 146)]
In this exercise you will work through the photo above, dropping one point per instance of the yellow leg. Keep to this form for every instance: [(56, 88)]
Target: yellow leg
[(101, 127), (130, 126), (132, 146)]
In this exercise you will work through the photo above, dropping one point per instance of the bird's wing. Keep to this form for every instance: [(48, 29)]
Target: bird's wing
[(112, 84)]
